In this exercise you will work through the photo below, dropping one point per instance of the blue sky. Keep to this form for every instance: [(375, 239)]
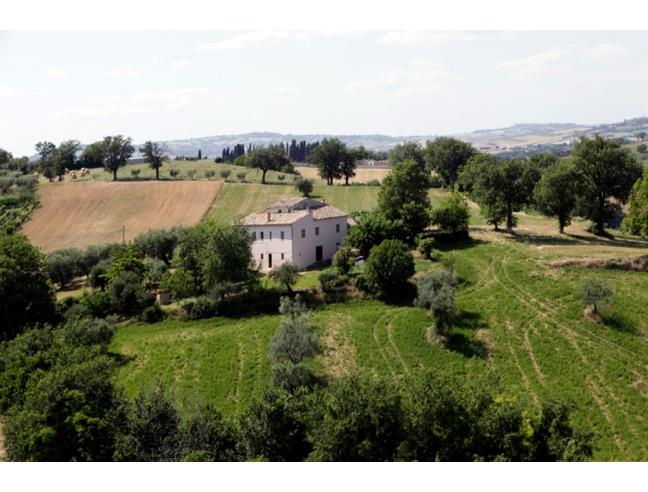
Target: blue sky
[(150, 85)]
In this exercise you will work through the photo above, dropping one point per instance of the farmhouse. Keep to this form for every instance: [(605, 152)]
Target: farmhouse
[(301, 230)]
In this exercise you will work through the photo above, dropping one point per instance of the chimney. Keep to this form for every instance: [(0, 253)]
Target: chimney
[(269, 217)]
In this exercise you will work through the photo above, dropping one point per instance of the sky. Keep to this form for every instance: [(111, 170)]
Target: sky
[(58, 86)]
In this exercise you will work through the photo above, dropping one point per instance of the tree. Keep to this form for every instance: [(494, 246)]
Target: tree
[(295, 339), (426, 247), (215, 253), (160, 243), (128, 296), (150, 431), (117, 150), (180, 284), (206, 433), (543, 160), (274, 427), (64, 265), (25, 288), (5, 157), (595, 293), (641, 136), (65, 157), (447, 156), (93, 155), (285, 274), (348, 166), (46, 152), (555, 193), (271, 158), (154, 155), (642, 148), (451, 215), (500, 187), (403, 197), (330, 156), (358, 419), (343, 259), (304, 186), (436, 293), (199, 154), (636, 220), (371, 229), (225, 173), (605, 171), (407, 151), (389, 266)]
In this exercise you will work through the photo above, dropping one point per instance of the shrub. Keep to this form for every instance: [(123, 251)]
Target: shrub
[(389, 266), (304, 186), (241, 176), (452, 215), (152, 314), (174, 172), (595, 293), (96, 304), (343, 259), (290, 377), (191, 173), (373, 182), (436, 181), (426, 247), (210, 173), (202, 307), (179, 283), (281, 177), (224, 173), (285, 274), (127, 294), (135, 173), (205, 435), (436, 293), (332, 279)]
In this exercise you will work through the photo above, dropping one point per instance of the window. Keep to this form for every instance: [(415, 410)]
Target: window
[(261, 255), (282, 235), (254, 236), (337, 245), (270, 235), (282, 256), (303, 232), (262, 235), (317, 231), (337, 227)]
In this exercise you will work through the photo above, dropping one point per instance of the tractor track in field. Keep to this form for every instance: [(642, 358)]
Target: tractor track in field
[(378, 344), (534, 305), (390, 337)]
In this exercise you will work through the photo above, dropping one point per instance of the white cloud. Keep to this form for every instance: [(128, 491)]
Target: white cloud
[(6, 91), (143, 102), (412, 38), (421, 78), (123, 72), (285, 90), (155, 61), (606, 50), (257, 38), (180, 64), (534, 65), (56, 73)]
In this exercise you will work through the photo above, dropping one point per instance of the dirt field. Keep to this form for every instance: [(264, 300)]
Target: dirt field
[(81, 214), (363, 174)]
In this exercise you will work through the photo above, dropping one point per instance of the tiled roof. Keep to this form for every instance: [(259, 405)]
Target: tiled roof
[(327, 212), (275, 219)]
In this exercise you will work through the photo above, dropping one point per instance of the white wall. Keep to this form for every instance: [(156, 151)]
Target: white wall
[(275, 246)]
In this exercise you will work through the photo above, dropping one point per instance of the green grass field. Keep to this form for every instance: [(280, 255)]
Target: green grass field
[(516, 315)]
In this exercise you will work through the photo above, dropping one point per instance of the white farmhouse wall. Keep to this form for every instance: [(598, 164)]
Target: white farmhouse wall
[(328, 238), (275, 246)]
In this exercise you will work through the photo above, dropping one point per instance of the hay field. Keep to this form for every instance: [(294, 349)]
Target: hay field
[(363, 174), (81, 214)]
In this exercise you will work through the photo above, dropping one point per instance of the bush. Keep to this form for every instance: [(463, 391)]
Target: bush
[(210, 173), (96, 304), (452, 215), (595, 293), (179, 283), (290, 377), (436, 293), (191, 173), (436, 181), (174, 172), (202, 307), (241, 176), (426, 247), (389, 266), (373, 182), (224, 173), (127, 294), (152, 314), (332, 279), (135, 173), (304, 186), (344, 259)]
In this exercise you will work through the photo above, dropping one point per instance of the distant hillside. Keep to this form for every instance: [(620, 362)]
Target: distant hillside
[(518, 138)]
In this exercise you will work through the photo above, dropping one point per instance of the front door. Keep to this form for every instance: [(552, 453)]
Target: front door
[(269, 261), (318, 253)]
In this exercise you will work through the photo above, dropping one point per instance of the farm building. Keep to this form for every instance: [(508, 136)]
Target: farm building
[(301, 230)]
